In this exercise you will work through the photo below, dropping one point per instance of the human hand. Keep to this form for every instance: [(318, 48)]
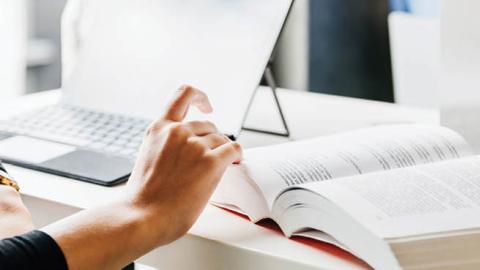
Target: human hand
[(179, 167)]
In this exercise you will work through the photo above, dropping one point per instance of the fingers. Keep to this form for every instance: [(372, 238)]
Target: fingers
[(210, 141), (185, 97), (178, 109), (228, 153), (201, 128), (213, 141)]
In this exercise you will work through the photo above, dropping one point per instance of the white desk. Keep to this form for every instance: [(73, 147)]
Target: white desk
[(221, 240)]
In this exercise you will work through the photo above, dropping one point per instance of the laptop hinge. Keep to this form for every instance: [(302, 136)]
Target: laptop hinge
[(271, 83)]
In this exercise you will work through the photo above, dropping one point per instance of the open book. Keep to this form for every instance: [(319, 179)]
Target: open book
[(395, 196)]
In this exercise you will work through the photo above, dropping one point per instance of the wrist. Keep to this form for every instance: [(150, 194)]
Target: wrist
[(145, 221), (159, 222), (10, 200), (15, 218)]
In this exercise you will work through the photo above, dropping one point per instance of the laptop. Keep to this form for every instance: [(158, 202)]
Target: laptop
[(130, 57)]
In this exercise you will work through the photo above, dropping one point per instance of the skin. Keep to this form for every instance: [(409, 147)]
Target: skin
[(179, 166), (14, 216)]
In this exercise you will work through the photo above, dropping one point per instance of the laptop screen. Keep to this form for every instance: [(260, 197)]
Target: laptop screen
[(131, 56)]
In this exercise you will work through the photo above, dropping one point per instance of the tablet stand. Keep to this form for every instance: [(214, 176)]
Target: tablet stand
[(270, 79)]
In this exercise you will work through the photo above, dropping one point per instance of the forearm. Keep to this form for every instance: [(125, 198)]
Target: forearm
[(108, 237)]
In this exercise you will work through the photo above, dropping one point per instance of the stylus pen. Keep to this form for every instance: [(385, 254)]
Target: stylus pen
[(231, 137), (130, 267), (2, 169)]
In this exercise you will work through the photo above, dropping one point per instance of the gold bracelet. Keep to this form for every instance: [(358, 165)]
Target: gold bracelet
[(7, 181)]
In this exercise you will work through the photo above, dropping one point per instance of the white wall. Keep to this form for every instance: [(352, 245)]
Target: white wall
[(415, 50), (12, 47), (292, 55), (461, 49), (44, 27), (460, 80)]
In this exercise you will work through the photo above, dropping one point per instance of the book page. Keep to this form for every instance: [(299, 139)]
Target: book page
[(359, 152), (420, 200)]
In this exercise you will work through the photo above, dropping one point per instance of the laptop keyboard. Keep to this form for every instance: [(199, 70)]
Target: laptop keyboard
[(112, 133)]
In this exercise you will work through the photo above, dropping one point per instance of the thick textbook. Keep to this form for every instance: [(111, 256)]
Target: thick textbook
[(398, 197)]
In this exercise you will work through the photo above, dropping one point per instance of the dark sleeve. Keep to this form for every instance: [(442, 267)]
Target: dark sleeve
[(34, 250)]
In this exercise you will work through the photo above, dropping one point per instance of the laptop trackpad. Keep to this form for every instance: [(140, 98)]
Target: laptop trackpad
[(65, 160), (94, 166), (32, 150)]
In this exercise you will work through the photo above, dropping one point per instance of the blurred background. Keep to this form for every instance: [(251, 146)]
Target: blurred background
[(349, 48)]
